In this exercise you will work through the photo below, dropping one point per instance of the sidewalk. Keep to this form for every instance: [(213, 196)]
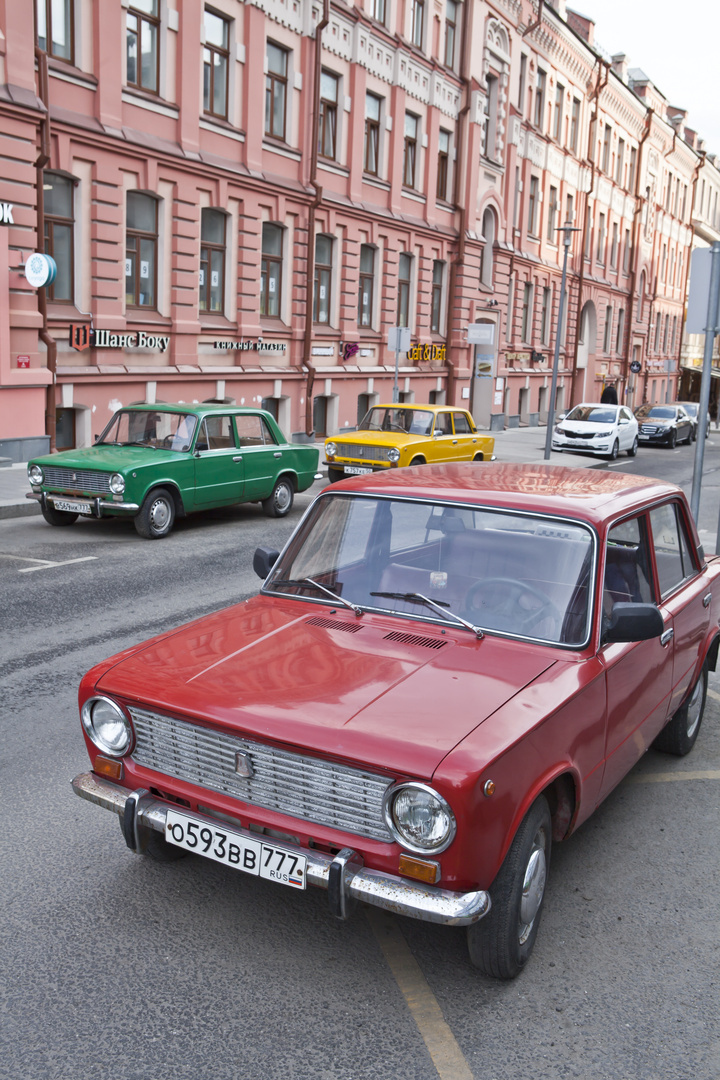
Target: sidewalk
[(519, 445)]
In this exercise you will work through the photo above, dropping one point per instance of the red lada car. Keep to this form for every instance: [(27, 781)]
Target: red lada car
[(446, 670)]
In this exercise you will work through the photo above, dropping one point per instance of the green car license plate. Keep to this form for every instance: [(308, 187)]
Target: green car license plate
[(74, 506), (269, 861)]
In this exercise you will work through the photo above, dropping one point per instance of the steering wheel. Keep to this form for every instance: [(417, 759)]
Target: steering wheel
[(512, 605), (168, 440)]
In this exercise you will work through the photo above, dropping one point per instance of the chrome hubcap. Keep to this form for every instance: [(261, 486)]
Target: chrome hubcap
[(282, 497), (533, 888), (159, 515), (694, 708)]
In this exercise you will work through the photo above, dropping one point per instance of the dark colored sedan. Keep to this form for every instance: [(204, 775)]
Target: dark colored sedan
[(692, 408), (666, 425)]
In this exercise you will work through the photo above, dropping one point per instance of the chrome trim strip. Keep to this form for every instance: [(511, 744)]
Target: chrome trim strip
[(399, 895)]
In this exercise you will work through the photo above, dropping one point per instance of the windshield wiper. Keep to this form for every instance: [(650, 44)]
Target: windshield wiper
[(137, 442), (418, 598), (316, 584)]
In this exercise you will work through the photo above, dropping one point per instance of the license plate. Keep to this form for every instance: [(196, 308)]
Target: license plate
[(357, 470), (73, 506), (232, 849)]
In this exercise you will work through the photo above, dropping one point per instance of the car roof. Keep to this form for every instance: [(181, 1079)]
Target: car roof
[(201, 408), (587, 494), (419, 405)]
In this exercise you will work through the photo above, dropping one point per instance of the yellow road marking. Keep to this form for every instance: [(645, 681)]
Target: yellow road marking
[(669, 777), (447, 1056)]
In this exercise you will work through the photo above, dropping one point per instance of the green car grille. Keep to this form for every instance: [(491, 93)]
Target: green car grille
[(76, 479)]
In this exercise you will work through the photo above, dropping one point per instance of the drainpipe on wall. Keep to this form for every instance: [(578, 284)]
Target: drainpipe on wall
[(43, 160), (635, 241), (459, 204), (310, 280)]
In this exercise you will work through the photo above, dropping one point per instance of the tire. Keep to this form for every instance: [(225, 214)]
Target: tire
[(160, 851), (335, 474), (672, 441), (156, 516), (615, 451), (58, 517), (280, 502), (689, 439), (678, 737), (634, 448), (479, 457), (417, 461), (500, 944)]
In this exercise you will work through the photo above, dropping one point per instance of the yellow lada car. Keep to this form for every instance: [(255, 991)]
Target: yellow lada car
[(391, 436)]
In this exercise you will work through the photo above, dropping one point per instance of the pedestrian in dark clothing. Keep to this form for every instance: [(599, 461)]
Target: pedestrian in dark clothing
[(609, 395)]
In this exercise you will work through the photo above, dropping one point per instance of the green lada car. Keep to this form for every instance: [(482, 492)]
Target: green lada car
[(154, 463)]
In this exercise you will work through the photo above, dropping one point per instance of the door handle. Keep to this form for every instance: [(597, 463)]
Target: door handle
[(667, 637), (706, 599), (455, 442), (238, 458), (278, 453)]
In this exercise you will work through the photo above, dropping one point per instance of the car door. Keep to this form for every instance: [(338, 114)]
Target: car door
[(464, 438), (638, 674), (443, 445), (684, 592), (219, 475), (626, 428), (263, 458)]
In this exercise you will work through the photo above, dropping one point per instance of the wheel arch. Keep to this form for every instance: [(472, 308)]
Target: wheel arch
[(172, 489), (711, 655)]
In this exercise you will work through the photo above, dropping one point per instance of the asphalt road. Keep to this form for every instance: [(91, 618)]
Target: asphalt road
[(117, 968)]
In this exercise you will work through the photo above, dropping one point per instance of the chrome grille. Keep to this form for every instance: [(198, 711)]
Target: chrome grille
[(361, 451), (76, 479), (303, 787)]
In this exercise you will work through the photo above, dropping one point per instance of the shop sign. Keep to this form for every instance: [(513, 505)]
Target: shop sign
[(635, 367), (40, 270), (251, 346), (83, 337), (23, 361), (6, 209), (419, 352)]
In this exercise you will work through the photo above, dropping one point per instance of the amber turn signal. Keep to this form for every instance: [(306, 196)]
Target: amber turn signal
[(420, 869), (108, 767)]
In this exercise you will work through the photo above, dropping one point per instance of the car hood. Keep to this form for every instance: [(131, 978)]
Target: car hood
[(385, 692), (586, 425), (375, 438), (108, 458), (657, 421)]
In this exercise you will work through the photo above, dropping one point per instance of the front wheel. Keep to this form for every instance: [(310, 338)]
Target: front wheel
[(417, 461), (634, 448), (335, 474), (280, 502), (500, 944), (678, 737), (615, 451), (58, 517), (156, 516), (672, 441)]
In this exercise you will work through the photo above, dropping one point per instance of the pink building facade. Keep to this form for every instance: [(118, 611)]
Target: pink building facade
[(238, 214)]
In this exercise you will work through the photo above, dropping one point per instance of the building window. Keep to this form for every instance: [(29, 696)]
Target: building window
[(557, 115), (665, 334), (418, 21), (552, 215), (672, 336), (143, 55), (601, 238), (372, 134), (323, 279), (569, 209), (539, 99), (533, 206), (626, 252), (404, 278), (620, 163), (141, 250), (509, 329), (59, 227), (607, 140), (379, 11), (521, 84), (491, 104), (588, 231), (216, 56), (327, 127), (55, 28), (451, 20), (620, 331), (574, 125), (526, 325), (367, 283), (487, 250), (607, 336), (276, 82), (545, 318), (443, 164), (410, 152), (658, 326), (212, 260), (271, 270), (437, 295), (633, 169), (614, 246)]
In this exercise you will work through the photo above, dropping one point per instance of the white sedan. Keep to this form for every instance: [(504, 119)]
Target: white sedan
[(597, 429)]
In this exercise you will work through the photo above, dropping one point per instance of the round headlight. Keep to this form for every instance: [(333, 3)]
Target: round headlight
[(35, 474), (393, 454), (330, 449), (117, 483), (107, 726), (419, 818)]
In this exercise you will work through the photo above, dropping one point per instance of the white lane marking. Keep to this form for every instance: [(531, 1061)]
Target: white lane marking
[(669, 778), (51, 565)]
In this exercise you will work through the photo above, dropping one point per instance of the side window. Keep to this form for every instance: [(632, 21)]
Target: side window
[(672, 551), (443, 425), (253, 431), (218, 433), (462, 427), (627, 565)]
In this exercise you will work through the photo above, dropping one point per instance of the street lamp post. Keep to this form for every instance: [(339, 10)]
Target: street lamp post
[(566, 230)]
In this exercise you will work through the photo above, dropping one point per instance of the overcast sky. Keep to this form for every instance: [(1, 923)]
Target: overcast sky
[(677, 45)]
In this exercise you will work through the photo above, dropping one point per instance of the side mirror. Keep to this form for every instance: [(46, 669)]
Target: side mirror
[(263, 561), (96, 437), (633, 622)]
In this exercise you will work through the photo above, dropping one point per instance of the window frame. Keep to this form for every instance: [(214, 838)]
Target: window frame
[(328, 118), (142, 235), (410, 147), (533, 204), (417, 27), (366, 281), (47, 6), (53, 221), (322, 277), (210, 246), (404, 289), (540, 88), (558, 112), (436, 300), (268, 260), (443, 169), (451, 26), (276, 86), (372, 135), (223, 52), (153, 21)]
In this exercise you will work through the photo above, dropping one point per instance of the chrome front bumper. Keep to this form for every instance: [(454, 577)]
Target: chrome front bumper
[(98, 506), (344, 876)]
